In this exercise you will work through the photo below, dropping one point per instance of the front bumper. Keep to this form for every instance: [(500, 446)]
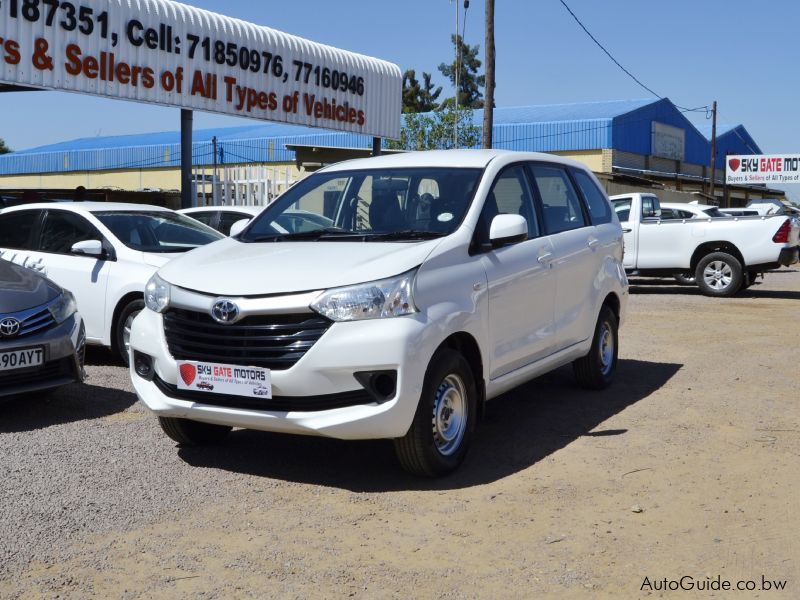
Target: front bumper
[(789, 256), (323, 375), (63, 359)]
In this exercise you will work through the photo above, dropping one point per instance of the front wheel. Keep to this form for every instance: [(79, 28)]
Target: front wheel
[(442, 429), (192, 433), (122, 329), (719, 274), (596, 370)]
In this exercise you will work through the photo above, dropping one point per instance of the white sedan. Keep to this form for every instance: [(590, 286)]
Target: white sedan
[(104, 253)]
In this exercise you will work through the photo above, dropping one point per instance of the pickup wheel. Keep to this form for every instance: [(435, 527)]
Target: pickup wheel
[(685, 278), (442, 429), (192, 433), (719, 274), (596, 370), (122, 329)]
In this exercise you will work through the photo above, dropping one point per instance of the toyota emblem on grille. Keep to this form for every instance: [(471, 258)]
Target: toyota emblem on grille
[(9, 327), (224, 311)]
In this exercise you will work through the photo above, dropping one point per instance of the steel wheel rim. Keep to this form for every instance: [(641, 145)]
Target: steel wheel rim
[(606, 349), (126, 331), (718, 274), (449, 415)]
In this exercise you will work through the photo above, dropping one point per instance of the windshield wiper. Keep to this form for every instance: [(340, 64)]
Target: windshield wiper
[(407, 234), (313, 235)]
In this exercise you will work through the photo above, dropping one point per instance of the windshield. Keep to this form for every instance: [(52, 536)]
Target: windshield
[(374, 204), (157, 231)]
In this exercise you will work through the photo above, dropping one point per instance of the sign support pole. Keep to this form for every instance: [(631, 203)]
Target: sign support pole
[(187, 118), (376, 146), (714, 151)]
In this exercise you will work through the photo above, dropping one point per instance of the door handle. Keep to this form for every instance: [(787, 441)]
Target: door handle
[(593, 242), (544, 258), (625, 230)]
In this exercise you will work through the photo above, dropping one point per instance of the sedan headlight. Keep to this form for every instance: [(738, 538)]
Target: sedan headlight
[(63, 307), (374, 300), (156, 294)]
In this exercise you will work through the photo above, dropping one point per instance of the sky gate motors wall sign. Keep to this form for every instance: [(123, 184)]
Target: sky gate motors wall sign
[(167, 53), (766, 168)]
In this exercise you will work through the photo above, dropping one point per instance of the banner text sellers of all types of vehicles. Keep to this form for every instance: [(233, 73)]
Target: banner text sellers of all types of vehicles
[(446, 278)]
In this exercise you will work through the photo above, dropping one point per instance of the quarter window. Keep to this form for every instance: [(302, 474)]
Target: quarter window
[(16, 229), (560, 205)]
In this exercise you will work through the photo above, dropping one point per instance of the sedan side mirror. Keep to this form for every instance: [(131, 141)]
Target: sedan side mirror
[(508, 229), (238, 227), (89, 248)]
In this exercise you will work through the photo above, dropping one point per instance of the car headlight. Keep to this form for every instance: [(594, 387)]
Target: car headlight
[(63, 307), (156, 294), (374, 300)]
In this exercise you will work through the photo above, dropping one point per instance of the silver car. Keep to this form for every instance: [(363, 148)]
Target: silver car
[(42, 337)]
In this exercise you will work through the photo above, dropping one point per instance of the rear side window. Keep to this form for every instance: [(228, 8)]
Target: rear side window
[(17, 228), (623, 208), (561, 207), (62, 229), (599, 209)]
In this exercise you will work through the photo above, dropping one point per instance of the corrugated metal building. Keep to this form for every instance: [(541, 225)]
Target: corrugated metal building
[(641, 140)]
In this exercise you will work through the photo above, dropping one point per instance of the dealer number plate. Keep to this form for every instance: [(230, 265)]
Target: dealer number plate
[(216, 378), (21, 359)]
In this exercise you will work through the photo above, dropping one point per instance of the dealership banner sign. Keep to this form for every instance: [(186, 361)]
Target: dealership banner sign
[(166, 53), (763, 168)]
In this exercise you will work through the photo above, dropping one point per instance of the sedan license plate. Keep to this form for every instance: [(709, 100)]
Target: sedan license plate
[(235, 380), (21, 359)]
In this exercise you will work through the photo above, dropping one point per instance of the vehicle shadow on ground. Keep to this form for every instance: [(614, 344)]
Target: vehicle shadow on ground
[(100, 356), (68, 404), (519, 429), (664, 287)]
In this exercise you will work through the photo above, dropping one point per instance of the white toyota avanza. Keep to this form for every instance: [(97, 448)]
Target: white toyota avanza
[(445, 279)]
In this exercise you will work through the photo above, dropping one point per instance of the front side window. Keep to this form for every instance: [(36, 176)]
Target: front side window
[(62, 229), (17, 229), (371, 204), (157, 231), (561, 207), (596, 201), (510, 196)]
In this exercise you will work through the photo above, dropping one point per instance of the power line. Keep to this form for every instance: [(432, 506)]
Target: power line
[(624, 70)]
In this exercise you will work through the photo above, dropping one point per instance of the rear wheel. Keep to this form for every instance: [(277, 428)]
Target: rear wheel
[(596, 370), (442, 429), (685, 278), (122, 329), (192, 433), (719, 274)]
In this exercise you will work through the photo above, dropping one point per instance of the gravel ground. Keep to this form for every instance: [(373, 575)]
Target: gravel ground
[(688, 465)]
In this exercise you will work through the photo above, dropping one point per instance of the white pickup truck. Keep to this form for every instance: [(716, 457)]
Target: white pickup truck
[(724, 255)]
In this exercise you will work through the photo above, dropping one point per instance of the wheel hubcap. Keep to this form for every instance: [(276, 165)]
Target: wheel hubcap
[(449, 414), (126, 331), (606, 349), (718, 275)]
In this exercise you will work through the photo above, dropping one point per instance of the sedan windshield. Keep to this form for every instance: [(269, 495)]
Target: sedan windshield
[(157, 231), (375, 205)]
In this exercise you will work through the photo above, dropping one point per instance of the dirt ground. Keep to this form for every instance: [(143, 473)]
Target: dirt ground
[(686, 467)]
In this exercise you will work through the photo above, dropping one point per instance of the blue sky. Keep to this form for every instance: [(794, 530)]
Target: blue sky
[(740, 53)]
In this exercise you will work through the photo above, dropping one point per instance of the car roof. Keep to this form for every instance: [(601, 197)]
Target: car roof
[(89, 207), (250, 210), (446, 158)]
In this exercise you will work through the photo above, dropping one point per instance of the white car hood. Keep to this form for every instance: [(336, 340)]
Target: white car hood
[(231, 268), (158, 259)]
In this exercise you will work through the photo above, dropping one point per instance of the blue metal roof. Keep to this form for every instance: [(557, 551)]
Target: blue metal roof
[(731, 139), (623, 125)]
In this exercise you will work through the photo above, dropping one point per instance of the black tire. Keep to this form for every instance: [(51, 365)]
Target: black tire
[(719, 274), (193, 433), (596, 370), (436, 444), (685, 278), (130, 310)]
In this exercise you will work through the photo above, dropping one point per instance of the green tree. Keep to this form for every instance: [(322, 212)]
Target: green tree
[(419, 97), (469, 82), (3, 148), (435, 130)]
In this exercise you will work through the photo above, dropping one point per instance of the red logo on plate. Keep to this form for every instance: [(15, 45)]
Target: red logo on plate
[(188, 373), (734, 164)]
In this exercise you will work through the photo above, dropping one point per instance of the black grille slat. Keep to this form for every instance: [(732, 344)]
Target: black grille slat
[(273, 341), (276, 403), (36, 322), (51, 370)]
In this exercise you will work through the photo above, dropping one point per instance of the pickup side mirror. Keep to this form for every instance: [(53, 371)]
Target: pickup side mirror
[(508, 229), (238, 227), (89, 248)]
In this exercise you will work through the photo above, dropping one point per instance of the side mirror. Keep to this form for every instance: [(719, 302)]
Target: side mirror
[(238, 227), (508, 229), (89, 248)]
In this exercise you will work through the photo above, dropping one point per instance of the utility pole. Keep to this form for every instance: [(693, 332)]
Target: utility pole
[(713, 148), (488, 102), (458, 69)]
